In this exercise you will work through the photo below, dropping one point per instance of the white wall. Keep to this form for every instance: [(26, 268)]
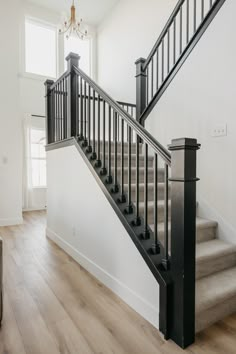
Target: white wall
[(128, 33), (83, 223), (10, 128), (201, 96)]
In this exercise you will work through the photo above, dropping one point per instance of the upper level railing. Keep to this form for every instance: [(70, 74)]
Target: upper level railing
[(182, 31), (129, 160)]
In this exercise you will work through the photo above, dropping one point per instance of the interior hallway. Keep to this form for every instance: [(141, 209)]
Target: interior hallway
[(52, 305)]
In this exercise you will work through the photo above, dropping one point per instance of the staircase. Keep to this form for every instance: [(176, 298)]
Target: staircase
[(215, 259), (152, 190)]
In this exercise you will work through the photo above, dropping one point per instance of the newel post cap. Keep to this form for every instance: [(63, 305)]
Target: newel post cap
[(72, 60), (184, 144)]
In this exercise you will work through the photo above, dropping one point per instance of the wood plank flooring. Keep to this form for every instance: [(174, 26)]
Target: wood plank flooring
[(52, 305)]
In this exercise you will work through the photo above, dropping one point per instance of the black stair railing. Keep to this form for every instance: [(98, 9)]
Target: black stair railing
[(127, 161), (181, 33)]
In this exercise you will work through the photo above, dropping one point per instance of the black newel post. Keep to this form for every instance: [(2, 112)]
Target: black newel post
[(49, 112), (183, 238), (73, 60), (141, 88)]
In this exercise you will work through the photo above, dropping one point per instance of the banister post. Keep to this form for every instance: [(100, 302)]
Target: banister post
[(141, 88), (183, 239), (72, 60), (50, 133)]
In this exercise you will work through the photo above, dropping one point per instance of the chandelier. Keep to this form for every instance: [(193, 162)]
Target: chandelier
[(73, 26)]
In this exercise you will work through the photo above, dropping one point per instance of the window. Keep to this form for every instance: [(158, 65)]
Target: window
[(82, 47), (40, 49), (38, 157)]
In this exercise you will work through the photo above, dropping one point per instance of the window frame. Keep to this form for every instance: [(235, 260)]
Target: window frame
[(44, 24), (37, 159)]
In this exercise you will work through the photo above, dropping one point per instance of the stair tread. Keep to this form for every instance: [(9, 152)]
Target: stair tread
[(213, 249), (215, 289), (200, 224)]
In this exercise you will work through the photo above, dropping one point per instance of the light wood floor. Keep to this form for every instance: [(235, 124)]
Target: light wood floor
[(52, 305)]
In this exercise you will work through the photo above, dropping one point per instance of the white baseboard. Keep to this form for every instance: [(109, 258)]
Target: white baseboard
[(34, 209), (140, 305), (11, 221), (225, 230)]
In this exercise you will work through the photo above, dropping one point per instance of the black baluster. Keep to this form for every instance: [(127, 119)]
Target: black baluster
[(109, 177), (122, 198), (81, 136), (129, 208), (156, 246), (89, 148), (180, 30), (137, 221), (187, 22), (157, 69), (104, 170), (152, 87), (174, 41), (165, 260), (203, 3), (99, 162), (115, 188), (147, 95), (168, 51), (163, 57), (194, 16), (85, 142), (146, 233), (94, 155)]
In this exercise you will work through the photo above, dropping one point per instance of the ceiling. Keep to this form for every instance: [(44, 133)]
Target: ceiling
[(92, 11)]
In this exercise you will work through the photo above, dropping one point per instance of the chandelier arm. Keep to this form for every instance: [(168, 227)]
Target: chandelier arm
[(66, 30)]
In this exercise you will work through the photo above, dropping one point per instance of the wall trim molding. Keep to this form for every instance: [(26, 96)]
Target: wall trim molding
[(11, 221), (147, 310)]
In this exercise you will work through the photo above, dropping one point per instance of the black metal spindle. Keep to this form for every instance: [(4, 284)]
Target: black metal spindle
[(137, 220), (115, 188), (81, 136), (165, 260), (162, 60), (147, 87), (146, 233), (203, 10), (104, 169), (157, 79), (129, 209), (187, 21), (109, 177), (99, 162), (94, 155), (152, 78), (122, 198), (168, 52), (194, 16), (85, 142), (61, 110), (174, 41), (180, 30), (156, 246), (57, 113), (89, 148)]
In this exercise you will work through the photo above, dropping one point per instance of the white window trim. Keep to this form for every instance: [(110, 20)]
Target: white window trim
[(44, 24)]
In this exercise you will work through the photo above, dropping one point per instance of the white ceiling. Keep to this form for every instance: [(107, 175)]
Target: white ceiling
[(92, 11)]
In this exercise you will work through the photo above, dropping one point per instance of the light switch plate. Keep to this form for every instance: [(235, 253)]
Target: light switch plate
[(219, 130)]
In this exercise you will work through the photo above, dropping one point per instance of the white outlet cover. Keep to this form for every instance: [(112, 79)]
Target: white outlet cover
[(219, 130)]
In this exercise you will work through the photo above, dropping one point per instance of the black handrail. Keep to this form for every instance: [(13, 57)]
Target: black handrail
[(142, 132)]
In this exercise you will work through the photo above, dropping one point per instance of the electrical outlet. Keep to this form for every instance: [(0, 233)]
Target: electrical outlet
[(219, 130)]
